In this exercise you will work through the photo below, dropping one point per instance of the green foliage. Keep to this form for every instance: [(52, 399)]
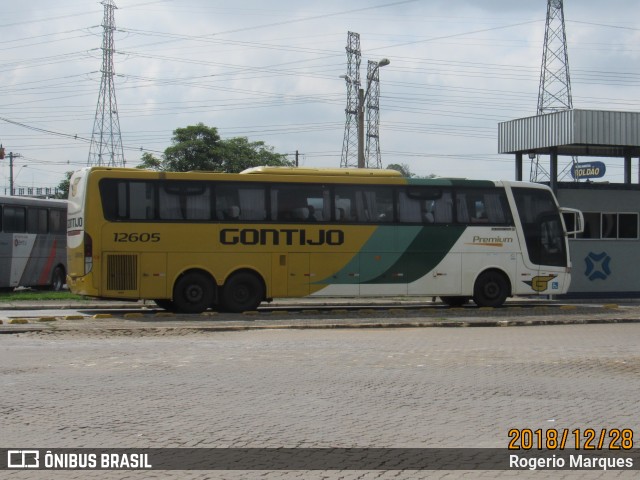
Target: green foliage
[(63, 187), (239, 154), (149, 162), (403, 168), (198, 147)]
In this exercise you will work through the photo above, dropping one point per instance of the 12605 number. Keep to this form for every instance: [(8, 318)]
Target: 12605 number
[(124, 237)]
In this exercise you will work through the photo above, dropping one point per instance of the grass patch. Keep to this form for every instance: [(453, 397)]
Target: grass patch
[(28, 295)]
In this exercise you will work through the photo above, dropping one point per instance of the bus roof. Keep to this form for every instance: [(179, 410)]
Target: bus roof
[(306, 174), (354, 172), (36, 201)]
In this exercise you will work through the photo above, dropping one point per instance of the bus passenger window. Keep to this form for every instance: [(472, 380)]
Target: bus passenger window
[(299, 203), (14, 219), (312, 214), (37, 221), (300, 214), (57, 221), (231, 213)]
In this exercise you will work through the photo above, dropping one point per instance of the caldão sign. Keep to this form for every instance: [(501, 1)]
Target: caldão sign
[(588, 170)]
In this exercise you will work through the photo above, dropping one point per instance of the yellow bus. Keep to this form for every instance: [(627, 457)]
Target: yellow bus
[(198, 240)]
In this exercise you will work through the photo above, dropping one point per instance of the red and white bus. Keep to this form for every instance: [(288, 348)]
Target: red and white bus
[(33, 243)]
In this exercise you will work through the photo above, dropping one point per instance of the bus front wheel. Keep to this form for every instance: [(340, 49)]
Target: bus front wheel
[(243, 291), (193, 293), (491, 289)]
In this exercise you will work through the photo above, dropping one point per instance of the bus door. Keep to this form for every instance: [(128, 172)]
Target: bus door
[(289, 274), (299, 275)]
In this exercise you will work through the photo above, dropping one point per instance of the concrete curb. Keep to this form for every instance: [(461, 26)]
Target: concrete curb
[(195, 323)]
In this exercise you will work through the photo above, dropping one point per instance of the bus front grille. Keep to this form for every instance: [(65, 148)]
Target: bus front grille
[(122, 272)]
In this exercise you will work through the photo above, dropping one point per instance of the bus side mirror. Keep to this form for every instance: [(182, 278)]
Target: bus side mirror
[(577, 226)]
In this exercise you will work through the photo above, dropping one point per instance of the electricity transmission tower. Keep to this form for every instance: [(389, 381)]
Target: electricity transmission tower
[(350, 143), (373, 158), (106, 141), (554, 93)]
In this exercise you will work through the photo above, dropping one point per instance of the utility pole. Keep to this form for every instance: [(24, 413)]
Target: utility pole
[(361, 162), (11, 157), (372, 152), (356, 97)]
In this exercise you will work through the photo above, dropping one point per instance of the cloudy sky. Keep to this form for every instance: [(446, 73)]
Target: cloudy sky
[(271, 71)]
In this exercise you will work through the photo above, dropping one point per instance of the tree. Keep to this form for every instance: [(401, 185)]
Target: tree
[(403, 168), (198, 147), (149, 162), (239, 154), (63, 187)]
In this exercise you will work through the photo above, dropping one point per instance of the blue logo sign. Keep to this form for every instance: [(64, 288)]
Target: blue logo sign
[(597, 266), (588, 170)]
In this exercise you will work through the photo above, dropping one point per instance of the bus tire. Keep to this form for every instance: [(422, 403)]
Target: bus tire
[(58, 279), (454, 301), (491, 289), (243, 291), (193, 293)]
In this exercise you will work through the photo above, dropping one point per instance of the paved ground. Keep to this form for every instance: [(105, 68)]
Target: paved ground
[(395, 387), (308, 313)]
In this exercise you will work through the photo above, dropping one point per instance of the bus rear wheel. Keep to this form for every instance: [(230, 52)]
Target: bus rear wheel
[(491, 289), (193, 293), (243, 291)]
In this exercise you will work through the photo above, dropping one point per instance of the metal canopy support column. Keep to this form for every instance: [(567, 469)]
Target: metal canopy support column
[(627, 167), (553, 170), (519, 166)]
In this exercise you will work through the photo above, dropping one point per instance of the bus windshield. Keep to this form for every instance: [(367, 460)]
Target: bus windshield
[(543, 228)]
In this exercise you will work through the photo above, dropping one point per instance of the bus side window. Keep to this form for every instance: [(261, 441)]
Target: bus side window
[(231, 213), (299, 203), (57, 221), (14, 219), (141, 200), (443, 209), (37, 220)]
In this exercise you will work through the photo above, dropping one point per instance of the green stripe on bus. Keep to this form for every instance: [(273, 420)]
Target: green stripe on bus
[(426, 251), (383, 249), (391, 257)]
